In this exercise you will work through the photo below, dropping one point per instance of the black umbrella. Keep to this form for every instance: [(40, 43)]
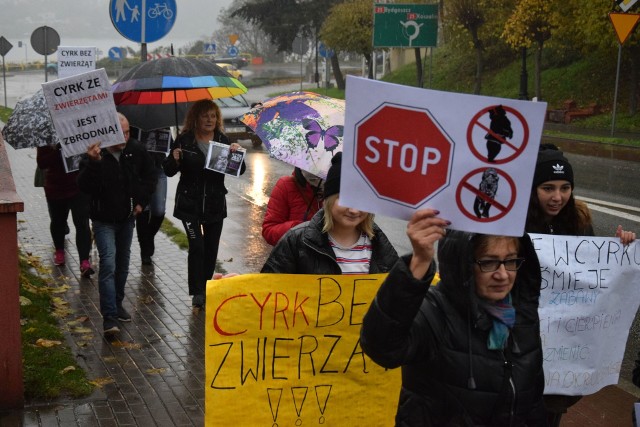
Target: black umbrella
[(151, 91)]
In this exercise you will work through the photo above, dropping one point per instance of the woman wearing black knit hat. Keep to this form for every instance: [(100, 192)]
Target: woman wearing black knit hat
[(337, 240), (553, 209)]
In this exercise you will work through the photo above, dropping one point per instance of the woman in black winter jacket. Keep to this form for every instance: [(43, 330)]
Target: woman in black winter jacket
[(470, 347), (337, 240), (200, 196)]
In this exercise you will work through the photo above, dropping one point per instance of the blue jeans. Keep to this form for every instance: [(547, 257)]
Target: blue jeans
[(114, 247)]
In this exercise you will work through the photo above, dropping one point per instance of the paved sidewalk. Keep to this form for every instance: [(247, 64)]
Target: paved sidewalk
[(157, 365)]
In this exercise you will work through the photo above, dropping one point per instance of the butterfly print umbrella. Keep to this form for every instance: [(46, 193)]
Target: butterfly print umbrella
[(303, 129)]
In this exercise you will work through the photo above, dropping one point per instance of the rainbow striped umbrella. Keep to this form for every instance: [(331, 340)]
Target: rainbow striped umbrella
[(153, 86)]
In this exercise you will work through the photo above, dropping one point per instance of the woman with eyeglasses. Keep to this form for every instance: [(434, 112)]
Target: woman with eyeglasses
[(469, 348)]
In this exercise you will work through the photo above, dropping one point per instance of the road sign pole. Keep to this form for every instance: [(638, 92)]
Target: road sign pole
[(4, 81), (45, 54), (615, 93)]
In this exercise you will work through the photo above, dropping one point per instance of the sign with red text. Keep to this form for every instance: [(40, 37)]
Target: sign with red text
[(285, 350), (470, 157), (83, 111), (588, 301)]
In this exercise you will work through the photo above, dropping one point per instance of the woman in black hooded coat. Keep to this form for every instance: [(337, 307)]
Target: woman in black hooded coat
[(453, 372)]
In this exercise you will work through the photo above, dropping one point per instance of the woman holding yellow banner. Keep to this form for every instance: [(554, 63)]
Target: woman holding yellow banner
[(337, 240), (470, 347)]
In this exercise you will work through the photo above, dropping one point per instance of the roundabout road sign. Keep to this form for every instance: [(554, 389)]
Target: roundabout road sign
[(130, 17), (232, 51)]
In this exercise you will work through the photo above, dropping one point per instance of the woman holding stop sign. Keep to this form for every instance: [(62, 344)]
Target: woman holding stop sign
[(469, 347)]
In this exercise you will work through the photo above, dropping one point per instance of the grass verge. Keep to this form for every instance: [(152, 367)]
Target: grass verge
[(49, 367)]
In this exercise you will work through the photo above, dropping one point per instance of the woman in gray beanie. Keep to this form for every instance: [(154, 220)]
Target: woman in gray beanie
[(554, 210), (337, 240)]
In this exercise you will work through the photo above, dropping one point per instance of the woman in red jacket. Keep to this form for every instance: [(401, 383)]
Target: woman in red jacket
[(294, 200)]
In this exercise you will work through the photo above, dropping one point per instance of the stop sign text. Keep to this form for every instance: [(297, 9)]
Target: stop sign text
[(403, 154)]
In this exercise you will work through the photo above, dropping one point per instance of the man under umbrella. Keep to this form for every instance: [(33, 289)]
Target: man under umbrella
[(120, 179)]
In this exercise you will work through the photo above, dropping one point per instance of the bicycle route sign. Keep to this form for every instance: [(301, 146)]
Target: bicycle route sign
[(143, 21)]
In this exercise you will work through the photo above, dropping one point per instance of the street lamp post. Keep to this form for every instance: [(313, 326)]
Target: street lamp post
[(523, 76)]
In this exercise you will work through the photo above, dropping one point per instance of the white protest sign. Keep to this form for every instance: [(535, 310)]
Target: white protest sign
[(471, 157), (83, 111), (74, 60), (589, 297)]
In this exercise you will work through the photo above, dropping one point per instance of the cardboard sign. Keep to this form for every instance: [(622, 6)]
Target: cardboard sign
[(589, 297), (470, 157), (285, 350), (83, 111)]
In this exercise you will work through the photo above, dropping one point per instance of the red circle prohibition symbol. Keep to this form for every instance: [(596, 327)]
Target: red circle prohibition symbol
[(464, 184), (517, 150)]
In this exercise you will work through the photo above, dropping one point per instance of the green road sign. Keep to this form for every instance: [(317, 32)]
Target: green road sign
[(405, 25)]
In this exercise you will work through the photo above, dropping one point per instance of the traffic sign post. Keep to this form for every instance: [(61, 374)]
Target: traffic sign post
[(403, 154), (405, 25), (115, 54), (136, 21), (5, 47), (232, 51), (45, 41)]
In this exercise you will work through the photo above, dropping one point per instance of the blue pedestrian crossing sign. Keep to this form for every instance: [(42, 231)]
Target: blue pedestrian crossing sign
[(115, 54), (143, 21), (209, 48), (232, 51)]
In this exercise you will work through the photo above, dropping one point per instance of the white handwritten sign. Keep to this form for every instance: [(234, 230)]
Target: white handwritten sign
[(589, 297), (83, 111)]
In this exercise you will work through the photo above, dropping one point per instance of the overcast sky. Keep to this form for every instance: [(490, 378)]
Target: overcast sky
[(80, 20)]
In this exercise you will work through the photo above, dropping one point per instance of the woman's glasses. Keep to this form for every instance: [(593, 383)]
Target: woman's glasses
[(490, 265)]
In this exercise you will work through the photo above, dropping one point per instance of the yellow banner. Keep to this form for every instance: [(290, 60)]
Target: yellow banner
[(284, 350)]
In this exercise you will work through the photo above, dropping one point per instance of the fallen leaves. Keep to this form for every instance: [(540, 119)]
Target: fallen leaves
[(127, 345), (68, 369), (101, 382), (41, 342)]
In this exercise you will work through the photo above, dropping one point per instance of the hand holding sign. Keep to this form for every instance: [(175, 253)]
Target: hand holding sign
[(83, 111)]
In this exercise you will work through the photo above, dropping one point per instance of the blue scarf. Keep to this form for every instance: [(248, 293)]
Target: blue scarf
[(504, 317)]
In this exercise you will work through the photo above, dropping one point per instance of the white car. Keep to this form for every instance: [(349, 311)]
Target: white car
[(232, 108)]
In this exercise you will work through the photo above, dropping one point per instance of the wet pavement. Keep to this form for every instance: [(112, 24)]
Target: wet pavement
[(153, 373)]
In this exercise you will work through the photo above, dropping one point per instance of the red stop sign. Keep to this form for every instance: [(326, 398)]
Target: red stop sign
[(403, 154)]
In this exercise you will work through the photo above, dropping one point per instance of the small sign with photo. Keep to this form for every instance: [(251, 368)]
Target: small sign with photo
[(157, 141), (72, 163), (221, 159)]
